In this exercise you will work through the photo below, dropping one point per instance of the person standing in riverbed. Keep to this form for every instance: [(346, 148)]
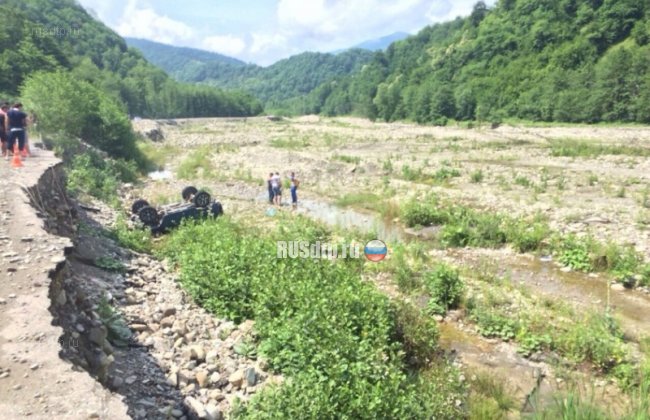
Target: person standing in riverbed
[(270, 187), (294, 189), (276, 185)]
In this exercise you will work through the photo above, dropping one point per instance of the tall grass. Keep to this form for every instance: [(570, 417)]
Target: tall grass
[(590, 149)]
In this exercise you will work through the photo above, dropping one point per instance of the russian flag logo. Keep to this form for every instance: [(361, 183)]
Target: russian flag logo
[(375, 250)]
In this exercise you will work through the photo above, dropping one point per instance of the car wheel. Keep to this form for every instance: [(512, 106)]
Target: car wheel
[(188, 192), (149, 216), (137, 205), (202, 199)]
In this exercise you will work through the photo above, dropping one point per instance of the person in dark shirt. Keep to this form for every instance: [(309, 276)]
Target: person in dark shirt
[(270, 187), (16, 123), (3, 132)]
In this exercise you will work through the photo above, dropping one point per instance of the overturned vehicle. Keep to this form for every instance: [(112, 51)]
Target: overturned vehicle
[(196, 205)]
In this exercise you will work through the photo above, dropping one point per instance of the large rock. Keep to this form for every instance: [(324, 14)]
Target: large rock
[(236, 379)]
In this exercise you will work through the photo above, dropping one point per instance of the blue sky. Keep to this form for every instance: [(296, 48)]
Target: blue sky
[(264, 31)]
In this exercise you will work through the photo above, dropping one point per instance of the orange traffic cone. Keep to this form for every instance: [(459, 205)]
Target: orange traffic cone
[(15, 162)]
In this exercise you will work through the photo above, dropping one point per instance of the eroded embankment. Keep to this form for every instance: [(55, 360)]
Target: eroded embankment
[(93, 330), (36, 303)]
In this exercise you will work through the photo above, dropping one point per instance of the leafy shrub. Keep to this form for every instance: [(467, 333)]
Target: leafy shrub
[(110, 264), (467, 227), (417, 332), (445, 289), (136, 239), (410, 174), (530, 343), (70, 107), (317, 322), (491, 323), (477, 176), (574, 252), (526, 236), (91, 174), (423, 213), (118, 333), (445, 173), (596, 339)]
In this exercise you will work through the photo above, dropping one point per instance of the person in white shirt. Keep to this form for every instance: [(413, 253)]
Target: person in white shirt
[(276, 186)]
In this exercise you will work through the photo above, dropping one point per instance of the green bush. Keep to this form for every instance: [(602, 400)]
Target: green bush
[(492, 323), (477, 176), (526, 236), (423, 213), (69, 107), (445, 173), (445, 289), (574, 252), (99, 177), (417, 332), (317, 322), (136, 239), (596, 339), (467, 227)]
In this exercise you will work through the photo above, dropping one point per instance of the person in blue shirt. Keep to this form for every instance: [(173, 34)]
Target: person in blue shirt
[(16, 124)]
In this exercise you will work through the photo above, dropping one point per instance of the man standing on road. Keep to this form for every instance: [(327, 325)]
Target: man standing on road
[(16, 122), (3, 127)]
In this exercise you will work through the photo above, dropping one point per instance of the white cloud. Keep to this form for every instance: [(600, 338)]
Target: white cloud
[(263, 42), (144, 22), (224, 44), (296, 25)]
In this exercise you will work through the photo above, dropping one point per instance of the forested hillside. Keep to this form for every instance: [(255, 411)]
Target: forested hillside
[(42, 35), (181, 62), (542, 60), (383, 42), (287, 79)]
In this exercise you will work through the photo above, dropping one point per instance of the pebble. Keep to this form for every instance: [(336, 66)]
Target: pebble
[(131, 380), (34, 366)]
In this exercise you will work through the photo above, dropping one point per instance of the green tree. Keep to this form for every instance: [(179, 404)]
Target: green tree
[(68, 107)]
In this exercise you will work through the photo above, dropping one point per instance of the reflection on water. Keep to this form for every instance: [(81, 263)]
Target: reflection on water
[(352, 219), (348, 219)]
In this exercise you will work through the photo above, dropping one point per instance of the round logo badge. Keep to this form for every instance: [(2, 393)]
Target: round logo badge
[(375, 250)]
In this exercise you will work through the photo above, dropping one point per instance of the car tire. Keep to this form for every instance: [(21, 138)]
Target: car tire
[(188, 192), (137, 205), (202, 199), (149, 216)]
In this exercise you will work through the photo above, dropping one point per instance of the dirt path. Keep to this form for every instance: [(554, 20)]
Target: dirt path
[(34, 381)]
